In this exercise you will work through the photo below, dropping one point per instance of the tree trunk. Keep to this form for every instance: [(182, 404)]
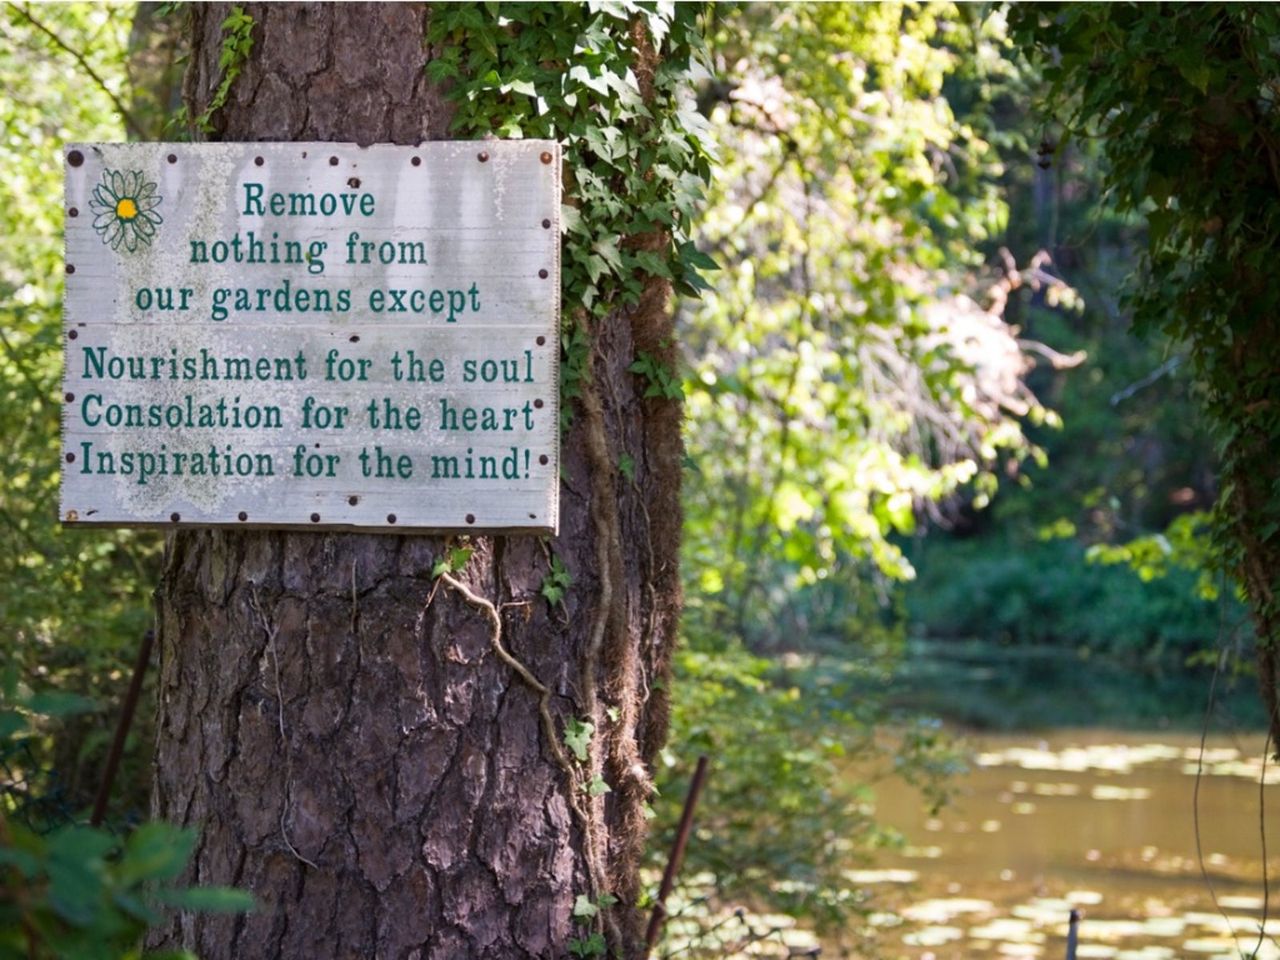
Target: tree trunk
[(342, 726)]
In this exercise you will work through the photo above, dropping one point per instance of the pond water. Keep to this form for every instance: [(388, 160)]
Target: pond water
[(1097, 820)]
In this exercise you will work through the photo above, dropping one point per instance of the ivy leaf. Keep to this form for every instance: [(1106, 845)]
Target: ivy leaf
[(593, 946), (580, 74), (557, 581), (577, 737), (453, 561), (441, 69), (583, 908), (598, 787), (652, 263), (690, 255), (570, 219)]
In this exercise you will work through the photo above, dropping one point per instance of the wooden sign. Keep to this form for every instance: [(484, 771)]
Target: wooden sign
[(312, 335)]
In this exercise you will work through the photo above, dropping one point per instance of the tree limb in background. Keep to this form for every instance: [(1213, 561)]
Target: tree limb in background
[(134, 127)]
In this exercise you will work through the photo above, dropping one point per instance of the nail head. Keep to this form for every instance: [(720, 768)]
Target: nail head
[(71, 268), (543, 274), (546, 156), (544, 459), (75, 158), (315, 518), (172, 158), (71, 458), (175, 517), (482, 156), (471, 518), (391, 518), (243, 516), (73, 212), (333, 161), (258, 161)]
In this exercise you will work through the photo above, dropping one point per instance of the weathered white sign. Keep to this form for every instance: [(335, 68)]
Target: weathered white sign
[(312, 334)]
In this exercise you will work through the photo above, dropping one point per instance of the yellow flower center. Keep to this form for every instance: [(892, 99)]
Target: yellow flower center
[(126, 209)]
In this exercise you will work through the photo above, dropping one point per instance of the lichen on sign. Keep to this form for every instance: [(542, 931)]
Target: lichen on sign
[(312, 335)]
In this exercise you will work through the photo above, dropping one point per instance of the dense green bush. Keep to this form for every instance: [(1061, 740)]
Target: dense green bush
[(70, 891), (1045, 592), (794, 743)]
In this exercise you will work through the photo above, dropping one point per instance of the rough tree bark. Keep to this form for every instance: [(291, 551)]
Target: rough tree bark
[(337, 722)]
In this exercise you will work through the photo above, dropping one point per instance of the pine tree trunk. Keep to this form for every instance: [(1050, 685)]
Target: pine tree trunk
[(338, 723)]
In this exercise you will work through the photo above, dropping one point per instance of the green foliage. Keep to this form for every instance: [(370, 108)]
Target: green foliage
[(577, 737), (1185, 112), (784, 815), (74, 605), (1184, 544), (1131, 458), (237, 44), (77, 892), (606, 80), (660, 379), (81, 894), (557, 582), (1045, 593), (592, 946), (583, 908), (585, 911), (846, 375), (454, 561)]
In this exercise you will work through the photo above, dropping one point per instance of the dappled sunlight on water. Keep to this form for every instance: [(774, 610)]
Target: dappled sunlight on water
[(1096, 821)]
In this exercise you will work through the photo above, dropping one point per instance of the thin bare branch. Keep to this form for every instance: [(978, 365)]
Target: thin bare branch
[(130, 122)]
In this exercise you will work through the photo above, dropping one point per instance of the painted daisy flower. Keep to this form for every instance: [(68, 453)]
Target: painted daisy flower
[(125, 204)]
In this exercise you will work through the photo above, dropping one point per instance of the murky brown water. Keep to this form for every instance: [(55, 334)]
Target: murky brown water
[(1094, 819)]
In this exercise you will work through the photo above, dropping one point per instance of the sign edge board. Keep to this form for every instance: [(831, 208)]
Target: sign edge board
[(548, 152)]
